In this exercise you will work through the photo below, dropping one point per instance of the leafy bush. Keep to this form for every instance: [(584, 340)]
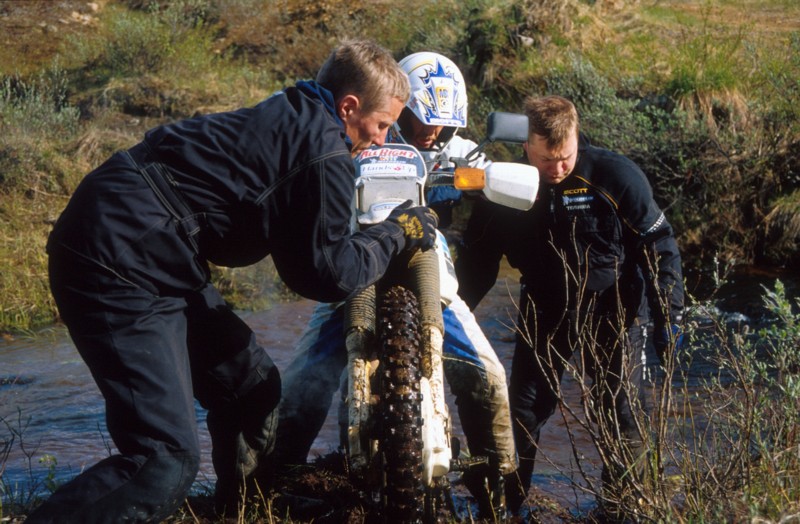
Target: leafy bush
[(144, 41), (163, 62), (132, 43), (34, 114), (37, 106), (748, 462), (721, 425)]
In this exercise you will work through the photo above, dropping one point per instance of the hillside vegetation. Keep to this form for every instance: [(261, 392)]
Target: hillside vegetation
[(703, 95)]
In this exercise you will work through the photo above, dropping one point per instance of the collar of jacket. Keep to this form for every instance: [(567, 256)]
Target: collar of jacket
[(315, 91)]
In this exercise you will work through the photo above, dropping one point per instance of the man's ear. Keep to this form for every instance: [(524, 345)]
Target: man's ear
[(347, 105)]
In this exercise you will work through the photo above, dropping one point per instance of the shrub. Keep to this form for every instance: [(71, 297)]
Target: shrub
[(721, 428), (132, 43), (37, 106), (35, 116)]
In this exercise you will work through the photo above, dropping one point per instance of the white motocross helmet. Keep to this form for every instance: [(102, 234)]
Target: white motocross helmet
[(438, 91)]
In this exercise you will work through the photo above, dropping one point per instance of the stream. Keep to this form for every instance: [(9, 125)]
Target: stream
[(52, 415)]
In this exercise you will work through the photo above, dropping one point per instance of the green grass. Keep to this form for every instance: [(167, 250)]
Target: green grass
[(701, 94)]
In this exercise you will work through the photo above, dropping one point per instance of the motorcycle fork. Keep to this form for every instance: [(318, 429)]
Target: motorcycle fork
[(436, 453), (421, 275), (360, 312)]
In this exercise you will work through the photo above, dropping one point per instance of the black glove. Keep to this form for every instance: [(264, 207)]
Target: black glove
[(418, 224), (667, 340)]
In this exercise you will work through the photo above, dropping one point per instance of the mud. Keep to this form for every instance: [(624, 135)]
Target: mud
[(322, 492)]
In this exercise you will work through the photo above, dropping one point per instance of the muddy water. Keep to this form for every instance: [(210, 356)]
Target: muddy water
[(50, 406), (51, 415)]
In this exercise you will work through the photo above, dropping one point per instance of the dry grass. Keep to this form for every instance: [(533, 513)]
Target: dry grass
[(782, 228), (241, 63), (33, 304)]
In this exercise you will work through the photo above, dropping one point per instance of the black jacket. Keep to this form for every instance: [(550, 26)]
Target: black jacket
[(274, 179), (601, 220)]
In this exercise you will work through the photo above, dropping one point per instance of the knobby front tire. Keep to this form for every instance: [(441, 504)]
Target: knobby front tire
[(402, 495)]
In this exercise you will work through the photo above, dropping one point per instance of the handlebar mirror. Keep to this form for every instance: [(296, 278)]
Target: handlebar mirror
[(507, 127), (500, 127)]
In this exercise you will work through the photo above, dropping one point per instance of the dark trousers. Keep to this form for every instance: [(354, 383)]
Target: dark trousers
[(151, 354), (607, 350)]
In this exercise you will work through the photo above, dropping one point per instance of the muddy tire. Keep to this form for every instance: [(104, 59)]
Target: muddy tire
[(402, 497)]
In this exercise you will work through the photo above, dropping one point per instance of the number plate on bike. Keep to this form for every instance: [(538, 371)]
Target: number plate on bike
[(385, 177)]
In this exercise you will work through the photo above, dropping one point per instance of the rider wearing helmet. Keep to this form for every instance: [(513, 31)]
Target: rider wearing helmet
[(431, 119), (438, 101), (436, 110)]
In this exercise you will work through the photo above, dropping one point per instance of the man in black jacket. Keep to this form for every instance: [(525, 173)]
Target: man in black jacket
[(129, 271), (587, 250)]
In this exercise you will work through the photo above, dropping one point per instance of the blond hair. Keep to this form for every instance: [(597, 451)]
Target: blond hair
[(366, 70), (552, 117)]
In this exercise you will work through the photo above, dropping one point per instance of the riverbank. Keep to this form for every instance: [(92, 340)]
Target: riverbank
[(660, 82)]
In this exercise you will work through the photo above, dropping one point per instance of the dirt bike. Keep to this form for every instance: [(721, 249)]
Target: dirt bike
[(397, 428)]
